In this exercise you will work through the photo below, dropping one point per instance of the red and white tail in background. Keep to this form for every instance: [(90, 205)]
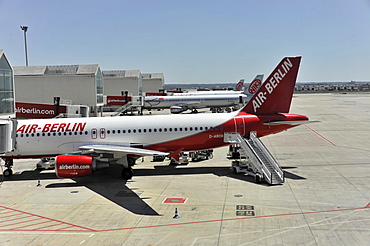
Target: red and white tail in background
[(255, 84), (275, 94), (239, 85)]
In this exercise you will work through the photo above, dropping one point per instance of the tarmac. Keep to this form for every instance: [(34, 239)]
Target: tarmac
[(325, 199)]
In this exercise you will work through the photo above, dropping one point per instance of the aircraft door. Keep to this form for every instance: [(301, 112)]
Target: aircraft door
[(239, 125), (94, 133), (102, 133)]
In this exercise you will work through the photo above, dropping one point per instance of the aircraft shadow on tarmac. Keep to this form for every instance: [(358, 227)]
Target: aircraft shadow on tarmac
[(109, 184)]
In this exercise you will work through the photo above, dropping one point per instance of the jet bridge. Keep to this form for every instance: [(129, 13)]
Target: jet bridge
[(255, 159)]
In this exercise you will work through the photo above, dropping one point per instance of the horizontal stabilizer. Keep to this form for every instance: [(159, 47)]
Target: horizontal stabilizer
[(275, 123)]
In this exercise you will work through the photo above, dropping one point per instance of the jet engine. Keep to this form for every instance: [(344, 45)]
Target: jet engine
[(73, 166), (176, 109)]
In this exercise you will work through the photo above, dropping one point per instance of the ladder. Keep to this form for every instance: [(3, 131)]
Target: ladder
[(122, 109), (261, 163)]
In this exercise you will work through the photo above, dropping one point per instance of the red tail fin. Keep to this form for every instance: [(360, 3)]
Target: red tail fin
[(275, 95), (239, 85)]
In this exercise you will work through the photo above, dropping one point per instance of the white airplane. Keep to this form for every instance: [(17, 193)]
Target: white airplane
[(178, 104), (84, 145), (237, 90)]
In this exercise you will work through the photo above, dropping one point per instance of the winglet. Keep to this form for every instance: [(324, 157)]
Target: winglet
[(275, 95), (176, 154)]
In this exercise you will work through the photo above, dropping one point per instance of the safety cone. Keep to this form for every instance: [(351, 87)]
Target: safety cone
[(176, 214)]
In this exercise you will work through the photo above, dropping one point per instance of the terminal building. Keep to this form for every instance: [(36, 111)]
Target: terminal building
[(72, 84), (135, 83), (152, 82), (118, 81)]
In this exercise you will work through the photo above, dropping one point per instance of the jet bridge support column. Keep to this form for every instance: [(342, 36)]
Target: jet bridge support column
[(7, 142)]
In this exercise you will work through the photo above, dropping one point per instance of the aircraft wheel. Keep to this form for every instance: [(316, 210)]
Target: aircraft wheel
[(130, 161), (127, 173), (258, 178), (8, 172)]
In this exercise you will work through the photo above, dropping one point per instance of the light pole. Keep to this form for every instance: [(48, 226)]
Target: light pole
[(25, 28)]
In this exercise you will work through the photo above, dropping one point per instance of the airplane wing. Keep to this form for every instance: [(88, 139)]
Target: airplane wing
[(122, 149), (189, 104)]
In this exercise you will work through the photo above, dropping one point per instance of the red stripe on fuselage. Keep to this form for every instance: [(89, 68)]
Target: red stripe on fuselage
[(215, 138)]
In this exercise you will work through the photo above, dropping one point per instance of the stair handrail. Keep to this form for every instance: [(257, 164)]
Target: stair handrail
[(122, 108), (258, 142)]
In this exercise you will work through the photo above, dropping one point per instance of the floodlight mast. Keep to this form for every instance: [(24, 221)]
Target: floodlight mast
[(25, 28)]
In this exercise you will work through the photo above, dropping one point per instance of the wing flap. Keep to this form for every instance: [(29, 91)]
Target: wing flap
[(122, 149)]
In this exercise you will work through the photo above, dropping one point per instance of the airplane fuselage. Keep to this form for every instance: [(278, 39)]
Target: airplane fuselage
[(195, 101), (166, 133)]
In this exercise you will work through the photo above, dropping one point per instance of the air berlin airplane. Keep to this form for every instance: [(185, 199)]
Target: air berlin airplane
[(83, 145)]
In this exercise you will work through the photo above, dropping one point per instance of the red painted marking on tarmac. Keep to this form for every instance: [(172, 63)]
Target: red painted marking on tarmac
[(84, 229), (174, 200), (327, 140), (318, 134), (244, 218), (23, 215)]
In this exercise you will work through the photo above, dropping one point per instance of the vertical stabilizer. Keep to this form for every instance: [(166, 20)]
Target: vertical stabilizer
[(275, 95)]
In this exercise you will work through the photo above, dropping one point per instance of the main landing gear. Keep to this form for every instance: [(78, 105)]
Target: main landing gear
[(127, 172), (8, 164)]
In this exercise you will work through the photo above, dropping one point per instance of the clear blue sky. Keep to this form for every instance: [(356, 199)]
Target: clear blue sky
[(193, 41)]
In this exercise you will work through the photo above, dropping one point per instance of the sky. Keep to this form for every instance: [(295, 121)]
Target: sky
[(198, 41)]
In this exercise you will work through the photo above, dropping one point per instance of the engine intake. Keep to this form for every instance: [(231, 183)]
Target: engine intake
[(73, 166), (177, 109)]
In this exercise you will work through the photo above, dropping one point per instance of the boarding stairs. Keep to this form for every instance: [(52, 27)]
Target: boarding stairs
[(123, 109), (259, 161)]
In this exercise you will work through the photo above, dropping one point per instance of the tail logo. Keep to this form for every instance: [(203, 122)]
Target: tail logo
[(270, 86), (239, 86), (254, 86)]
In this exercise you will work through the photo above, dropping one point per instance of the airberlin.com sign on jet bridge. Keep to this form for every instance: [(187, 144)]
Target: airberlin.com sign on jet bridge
[(37, 110)]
